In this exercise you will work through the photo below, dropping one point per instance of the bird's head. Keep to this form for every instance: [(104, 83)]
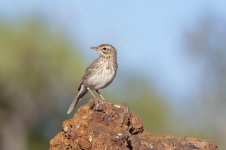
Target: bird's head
[(105, 50)]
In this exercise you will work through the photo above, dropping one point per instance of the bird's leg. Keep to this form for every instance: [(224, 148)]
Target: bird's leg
[(100, 95), (94, 96)]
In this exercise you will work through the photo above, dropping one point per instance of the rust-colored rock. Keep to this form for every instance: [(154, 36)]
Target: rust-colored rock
[(105, 126)]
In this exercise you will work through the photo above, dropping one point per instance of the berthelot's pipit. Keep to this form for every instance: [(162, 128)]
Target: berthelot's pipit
[(99, 74)]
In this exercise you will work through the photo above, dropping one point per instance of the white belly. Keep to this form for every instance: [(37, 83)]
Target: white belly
[(101, 79)]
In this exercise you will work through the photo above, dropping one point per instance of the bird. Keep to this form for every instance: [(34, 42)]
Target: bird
[(99, 74)]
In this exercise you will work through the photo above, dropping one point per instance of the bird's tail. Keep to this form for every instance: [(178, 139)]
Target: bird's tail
[(73, 104), (81, 93)]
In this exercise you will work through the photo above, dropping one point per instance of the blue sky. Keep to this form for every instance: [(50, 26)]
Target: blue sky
[(148, 34)]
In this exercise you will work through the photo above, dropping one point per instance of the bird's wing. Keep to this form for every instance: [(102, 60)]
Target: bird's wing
[(90, 70)]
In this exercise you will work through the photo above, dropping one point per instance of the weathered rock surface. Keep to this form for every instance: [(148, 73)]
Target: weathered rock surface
[(105, 126)]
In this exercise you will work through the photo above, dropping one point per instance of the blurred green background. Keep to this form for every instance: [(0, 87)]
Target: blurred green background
[(176, 87)]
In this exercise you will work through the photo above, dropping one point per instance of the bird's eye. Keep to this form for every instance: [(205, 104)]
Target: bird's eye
[(104, 48)]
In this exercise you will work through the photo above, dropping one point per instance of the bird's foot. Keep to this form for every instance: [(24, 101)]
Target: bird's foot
[(97, 100)]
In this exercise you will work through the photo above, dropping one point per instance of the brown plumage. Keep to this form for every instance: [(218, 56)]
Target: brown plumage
[(99, 74)]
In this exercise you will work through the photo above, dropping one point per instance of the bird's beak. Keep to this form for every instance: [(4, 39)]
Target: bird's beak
[(95, 48)]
